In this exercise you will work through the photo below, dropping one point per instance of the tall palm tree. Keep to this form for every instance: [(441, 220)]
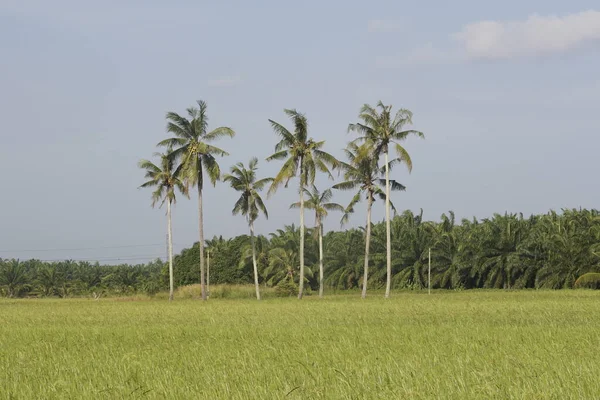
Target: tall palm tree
[(191, 145), (319, 202), (165, 179), (303, 157), (382, 130), (362, 172), (250, 204)]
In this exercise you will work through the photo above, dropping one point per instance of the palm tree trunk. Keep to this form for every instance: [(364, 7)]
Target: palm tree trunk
[(201, 244), (301, 284), (170, 239), (367, 245), (254, 264), (388, 282), (320, 228)]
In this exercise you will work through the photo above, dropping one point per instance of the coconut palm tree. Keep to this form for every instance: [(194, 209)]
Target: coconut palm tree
[(165, 179), (319, 202), (191, 146), (362, 172), (303, 157), (250, 204), (382, 130)]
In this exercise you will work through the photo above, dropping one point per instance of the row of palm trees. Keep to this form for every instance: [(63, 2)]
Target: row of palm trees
[(549, 251), (191, 156), (503, 251), (34, 278)]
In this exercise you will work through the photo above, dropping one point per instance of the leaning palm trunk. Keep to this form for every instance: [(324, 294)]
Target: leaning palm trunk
[(320, 228), (301, 285), (254, 261), (201, 244), (170, 241), (388, 235), (367, 245)]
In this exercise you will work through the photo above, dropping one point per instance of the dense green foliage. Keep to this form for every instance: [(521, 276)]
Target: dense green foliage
[(71, 278), (467, 345), (505, 251)]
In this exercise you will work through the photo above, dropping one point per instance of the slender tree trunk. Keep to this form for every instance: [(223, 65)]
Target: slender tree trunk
[(320, 228), (170, 239), (367, 245), (254, 264), (301, 285), (201, 244), (429, 272), (388, 283)]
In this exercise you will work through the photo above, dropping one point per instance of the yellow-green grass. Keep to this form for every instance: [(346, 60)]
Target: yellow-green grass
[(447, 345)]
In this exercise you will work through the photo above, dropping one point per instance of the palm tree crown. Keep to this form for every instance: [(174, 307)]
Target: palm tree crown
[(304, 155), (382, 130), (243, 180), (191, 144), (165, 179), (320, 203), (363, 173)]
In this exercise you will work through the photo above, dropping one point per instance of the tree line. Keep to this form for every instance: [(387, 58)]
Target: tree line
[(78, 278), (505, 251)]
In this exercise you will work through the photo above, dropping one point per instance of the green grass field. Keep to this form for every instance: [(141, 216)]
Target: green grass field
[(449, 345)]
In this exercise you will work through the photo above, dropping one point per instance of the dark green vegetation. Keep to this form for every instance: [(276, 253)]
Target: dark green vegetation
[(466, 345), (506, 251)]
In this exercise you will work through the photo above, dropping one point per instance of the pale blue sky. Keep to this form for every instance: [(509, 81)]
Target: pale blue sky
[(510, 107)]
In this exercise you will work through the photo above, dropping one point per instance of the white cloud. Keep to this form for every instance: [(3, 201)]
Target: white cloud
[(226, 81), (383, 25), (534, 36)]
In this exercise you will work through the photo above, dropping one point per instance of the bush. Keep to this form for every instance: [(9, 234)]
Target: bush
[(222, 292), (286, 288), (588, 281)]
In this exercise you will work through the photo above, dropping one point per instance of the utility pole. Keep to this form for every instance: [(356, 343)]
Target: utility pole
[(429, 273), (207, 272)]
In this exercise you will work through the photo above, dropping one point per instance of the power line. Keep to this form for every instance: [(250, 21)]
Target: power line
[(124, 258), (82, 248)]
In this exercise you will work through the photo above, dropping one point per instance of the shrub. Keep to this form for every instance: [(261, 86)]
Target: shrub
[(286, 288), (588, 281), (222, 292)]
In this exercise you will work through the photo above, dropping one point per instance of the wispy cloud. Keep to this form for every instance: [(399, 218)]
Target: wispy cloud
[(533, 36), (383, 25), (226, 81)]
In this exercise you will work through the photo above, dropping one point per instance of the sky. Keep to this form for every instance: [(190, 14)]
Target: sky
[(506, 93)]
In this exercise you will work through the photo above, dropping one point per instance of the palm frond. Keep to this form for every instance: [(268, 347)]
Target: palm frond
[(403, 156), (218, 133), (280, 155), (348, 185)]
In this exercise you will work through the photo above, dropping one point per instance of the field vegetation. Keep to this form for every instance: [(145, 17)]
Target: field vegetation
[(452, 345)]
